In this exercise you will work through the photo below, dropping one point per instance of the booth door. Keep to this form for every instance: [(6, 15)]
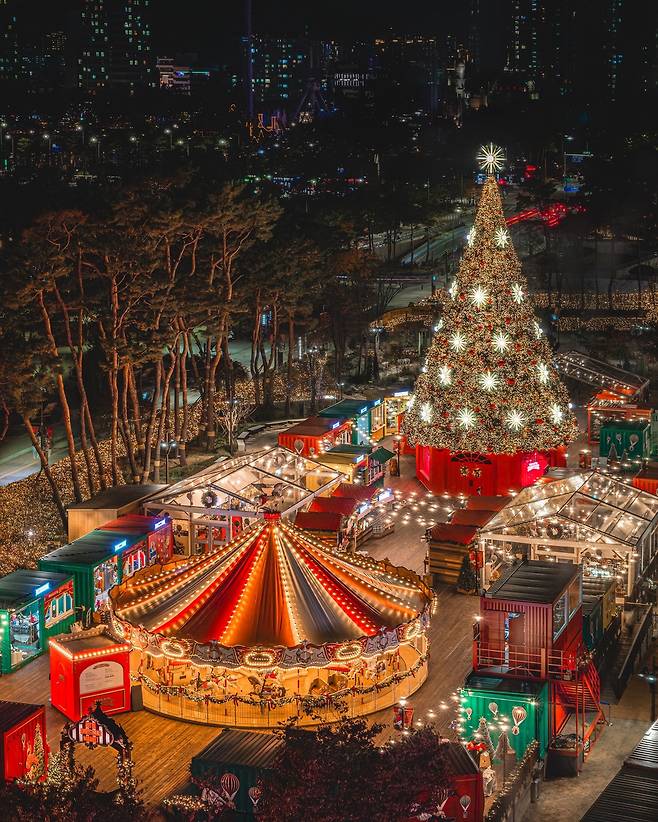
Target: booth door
[(472, 475)]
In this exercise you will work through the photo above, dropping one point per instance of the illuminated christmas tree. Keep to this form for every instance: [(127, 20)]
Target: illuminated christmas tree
[(489, 389)]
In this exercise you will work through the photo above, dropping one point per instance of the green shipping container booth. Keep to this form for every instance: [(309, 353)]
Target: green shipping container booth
[(34, 605), (234, 762), (496, 700), (356, 410), (97, 562), (625, 440)]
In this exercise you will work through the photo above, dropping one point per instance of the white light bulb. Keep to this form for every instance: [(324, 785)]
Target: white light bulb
[(479, 296), (557, 414), (488, 381), (445, 375), (466, 418), (458, 342), (501, 237), (515, 420), (501, 341)]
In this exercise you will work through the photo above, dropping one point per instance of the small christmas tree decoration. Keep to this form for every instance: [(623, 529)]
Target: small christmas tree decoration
[(484, 735), (490, 386), (504, 747), (467, 580)]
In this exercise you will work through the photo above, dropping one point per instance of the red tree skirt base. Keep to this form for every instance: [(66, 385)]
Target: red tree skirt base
[(442, 471)]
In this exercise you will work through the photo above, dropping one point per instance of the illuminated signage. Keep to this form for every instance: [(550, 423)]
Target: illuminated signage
[(42, 589), (160, 523), (121, 545), (534, 466), (377, 402), (401, 394), (363, 410), (335, 425)]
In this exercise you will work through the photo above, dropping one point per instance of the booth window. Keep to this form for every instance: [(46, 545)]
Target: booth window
[(559, 615), (58, 609), (574, 594), (377, 418), (133, 562)]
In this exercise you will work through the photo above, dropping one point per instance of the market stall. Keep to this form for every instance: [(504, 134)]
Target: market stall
[(590, 518), (327, 526), (273, 626), (367, 427), (235, 762), (89, 667), (23, 747), (34, 606), (395, 405), (157, 541), (315, 435), (212, 507), (97, 561), (626, 441)]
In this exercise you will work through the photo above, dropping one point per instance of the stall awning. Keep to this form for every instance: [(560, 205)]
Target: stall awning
[(362, 493), (487, 503), (382, 455), (337, 505), (319, 521), (455, 534), (477, 518)]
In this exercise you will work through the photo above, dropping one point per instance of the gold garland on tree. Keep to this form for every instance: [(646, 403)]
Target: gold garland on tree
[(489, 385)]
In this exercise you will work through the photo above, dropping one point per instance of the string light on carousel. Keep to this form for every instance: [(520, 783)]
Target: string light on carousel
[(273, 626), (490, 413)]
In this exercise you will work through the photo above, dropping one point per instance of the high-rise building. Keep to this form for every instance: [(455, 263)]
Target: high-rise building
[(280, 70), (116, 45), (9, 51), (55, 42)]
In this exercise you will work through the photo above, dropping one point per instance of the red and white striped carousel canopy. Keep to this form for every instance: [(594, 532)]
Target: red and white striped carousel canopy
[(273, 585)]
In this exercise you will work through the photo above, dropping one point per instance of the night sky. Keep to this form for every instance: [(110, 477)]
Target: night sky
[(209, 26)]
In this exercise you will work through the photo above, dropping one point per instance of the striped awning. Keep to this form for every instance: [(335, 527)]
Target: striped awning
[(273, 585)]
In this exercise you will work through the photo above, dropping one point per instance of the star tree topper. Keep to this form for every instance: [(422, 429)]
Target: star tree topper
[(491, 158)]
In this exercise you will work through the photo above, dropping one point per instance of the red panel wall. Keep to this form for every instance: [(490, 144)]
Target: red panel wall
[(18, 746), (537, 619)]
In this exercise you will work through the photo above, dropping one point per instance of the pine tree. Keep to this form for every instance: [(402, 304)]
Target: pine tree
[(38, 769), (504, 747), (483, 732), (467, 580), (489, 385)]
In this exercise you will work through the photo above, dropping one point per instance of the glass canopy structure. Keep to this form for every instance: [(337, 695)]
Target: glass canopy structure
[(589, 515), (211, 507)]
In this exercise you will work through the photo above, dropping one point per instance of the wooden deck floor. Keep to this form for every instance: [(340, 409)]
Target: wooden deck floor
[(163, 747), (162, 751)]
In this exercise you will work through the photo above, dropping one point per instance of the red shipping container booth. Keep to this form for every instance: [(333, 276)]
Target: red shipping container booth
[(531, 621), (20, 725), (89, 667), (158, 543), (316, 434), (465, 799), (459, 473)]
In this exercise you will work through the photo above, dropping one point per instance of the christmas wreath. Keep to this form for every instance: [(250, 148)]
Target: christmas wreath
[(209, 499), (554, 530)]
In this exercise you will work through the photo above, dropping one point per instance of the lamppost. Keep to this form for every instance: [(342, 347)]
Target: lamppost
[(170, 134), (3, 126), (81, 129), (166, 448), (397, 442), (49, 138), (95, 141), (11, 137), (186, 143)]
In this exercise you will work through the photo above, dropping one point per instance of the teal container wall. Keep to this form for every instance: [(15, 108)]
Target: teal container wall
[(535, 726), (62, 627), (5, 644), (83, 580)]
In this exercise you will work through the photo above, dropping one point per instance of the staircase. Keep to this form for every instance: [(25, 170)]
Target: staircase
[(445, 561), (586, 691), (629, 650)]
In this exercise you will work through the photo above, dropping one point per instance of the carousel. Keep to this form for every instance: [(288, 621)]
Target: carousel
[(273, 626)]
